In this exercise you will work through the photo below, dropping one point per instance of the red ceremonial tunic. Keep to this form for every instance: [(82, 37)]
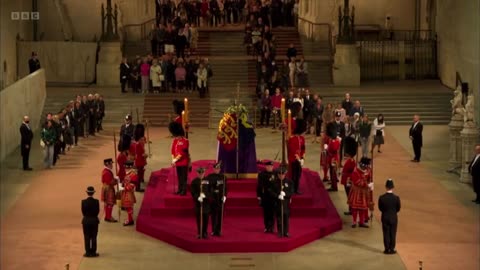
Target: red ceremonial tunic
[(332, 151), (348, 168), (131, 150), (132, 175), (140, 159), (128, 195), (296, 148), (108, 189), (121, 159), (179, 150), (358, 196), (293, 123)]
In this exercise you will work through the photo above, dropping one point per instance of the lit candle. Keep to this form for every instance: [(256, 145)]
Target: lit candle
[(186, 109), (282, 110), (183, 120), (289, 123)]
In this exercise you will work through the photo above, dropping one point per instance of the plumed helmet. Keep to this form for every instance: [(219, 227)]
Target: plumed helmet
[(176, 129), (350, 146), (126, 141), (139, 132), (296, 107), (331, 130), (301, 127), (178, 106)]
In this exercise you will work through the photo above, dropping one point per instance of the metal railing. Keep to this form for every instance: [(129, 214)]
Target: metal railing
[(137, 32), (398, 60), (376, 33)]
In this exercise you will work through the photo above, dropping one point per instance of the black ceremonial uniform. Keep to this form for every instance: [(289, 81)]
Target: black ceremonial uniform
[(218, 189), (90, 210), (267, 201), (195, 190), (275, 190)]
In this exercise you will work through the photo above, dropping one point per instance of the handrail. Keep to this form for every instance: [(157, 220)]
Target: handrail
[(143, 28)]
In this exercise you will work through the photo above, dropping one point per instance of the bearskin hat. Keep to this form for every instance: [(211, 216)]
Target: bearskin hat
[(350, 146), (301, 127), (139, 132), (178, 106), (365, 162), (176, 129), (125, 143), (296, 107), (331, 130)]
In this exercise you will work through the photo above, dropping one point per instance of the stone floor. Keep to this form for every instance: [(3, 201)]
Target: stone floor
[(41, 216)]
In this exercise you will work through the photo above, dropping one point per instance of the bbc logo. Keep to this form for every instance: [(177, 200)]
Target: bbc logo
[(25, 16)]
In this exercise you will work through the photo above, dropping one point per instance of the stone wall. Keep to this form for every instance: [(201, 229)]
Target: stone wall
[(24, 97), (8, 33), (68, 62), (457, 25)]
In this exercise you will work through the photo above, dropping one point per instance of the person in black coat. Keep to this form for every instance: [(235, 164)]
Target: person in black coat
[(33, 63), (389, 205), (124, 74), (26, 142), (474, 170), (282, 190), (415, 134), (341, 132), (200, 189), (265, 180), (126, 130), (90, 221)]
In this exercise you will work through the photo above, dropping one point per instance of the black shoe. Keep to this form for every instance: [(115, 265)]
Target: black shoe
[(392, 251), (347, 213), (363, 226), (332, 190), (354, 225), (140, 190), (476, 201), (87, 255), (386, 251), (287, 235), (112, 220), (131, 223), (326, 180), (95, 255)]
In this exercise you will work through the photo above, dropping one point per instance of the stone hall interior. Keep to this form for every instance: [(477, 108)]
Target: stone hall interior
[(122, 100)]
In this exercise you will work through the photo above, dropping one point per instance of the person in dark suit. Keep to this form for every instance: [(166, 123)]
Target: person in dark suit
[(341, 132), (90, 211), (124, 74), (33, 63), (416, 136), (474, 170), (26, 142), (389, 205)]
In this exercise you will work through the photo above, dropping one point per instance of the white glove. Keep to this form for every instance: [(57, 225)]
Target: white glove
[(124, 77), (302, 162), (202, 195), (340, 139), (325, 146), (258, 198), (370, 186), (280, 197), (174, 161), (200, 199), (282, 193), (224, 199), (120, 188)]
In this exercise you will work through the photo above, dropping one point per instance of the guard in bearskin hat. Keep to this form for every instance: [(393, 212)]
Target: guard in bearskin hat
[(282, 190), (351, 147), (331, 147), (296, 153), (358, 197), (178, 108), (180, 156), (218, 187)]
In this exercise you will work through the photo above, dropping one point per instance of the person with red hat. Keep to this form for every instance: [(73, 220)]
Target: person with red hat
[(296, 153), (358, 196), (109, 182), (128, 194)]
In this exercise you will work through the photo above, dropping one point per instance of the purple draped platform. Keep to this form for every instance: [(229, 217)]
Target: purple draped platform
[(247, 156)]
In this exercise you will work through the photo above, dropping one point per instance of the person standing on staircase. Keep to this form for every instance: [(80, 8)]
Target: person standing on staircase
[(153, 35), (202, 78)]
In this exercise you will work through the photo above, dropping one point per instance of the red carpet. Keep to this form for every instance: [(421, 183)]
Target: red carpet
[(170, 218)]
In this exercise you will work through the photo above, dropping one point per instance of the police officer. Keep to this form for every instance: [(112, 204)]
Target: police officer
[(218, 188), (200, 190), (282, 190), (265, 180), (90, 210)]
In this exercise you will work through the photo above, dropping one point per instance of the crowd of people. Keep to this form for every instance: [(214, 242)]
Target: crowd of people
[(61, 131)]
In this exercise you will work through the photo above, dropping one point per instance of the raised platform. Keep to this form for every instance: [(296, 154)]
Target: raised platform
[(170, 218)]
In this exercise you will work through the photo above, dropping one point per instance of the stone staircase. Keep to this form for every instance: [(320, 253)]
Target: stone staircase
[(284, 36), (317, 55), (117, 105)]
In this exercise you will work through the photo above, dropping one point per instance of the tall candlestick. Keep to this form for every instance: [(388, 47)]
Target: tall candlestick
[(289, 122), (282, 110), (186, 109), (183, 120)]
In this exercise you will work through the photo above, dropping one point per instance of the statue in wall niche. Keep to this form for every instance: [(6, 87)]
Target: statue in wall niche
[(469, 111), (457, 106)]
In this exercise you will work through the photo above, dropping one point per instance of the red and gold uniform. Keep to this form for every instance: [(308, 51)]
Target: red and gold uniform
[(348, 168), (128, 200), (121, 159), (323, 158), (296, 153), (131, 150), (333, 160), (140, 161), (358, 196), (108, 192), (181, 160)]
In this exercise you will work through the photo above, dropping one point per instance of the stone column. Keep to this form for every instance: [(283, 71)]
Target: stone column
[(470, 136), (455, 126), (346, 66), (109, 58)]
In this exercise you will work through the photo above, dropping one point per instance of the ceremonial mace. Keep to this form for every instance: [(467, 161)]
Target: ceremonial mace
[(119, 200), (282, 112), (281, 189), (201, 210), (185, 117), (223, 203), (147, 123)]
